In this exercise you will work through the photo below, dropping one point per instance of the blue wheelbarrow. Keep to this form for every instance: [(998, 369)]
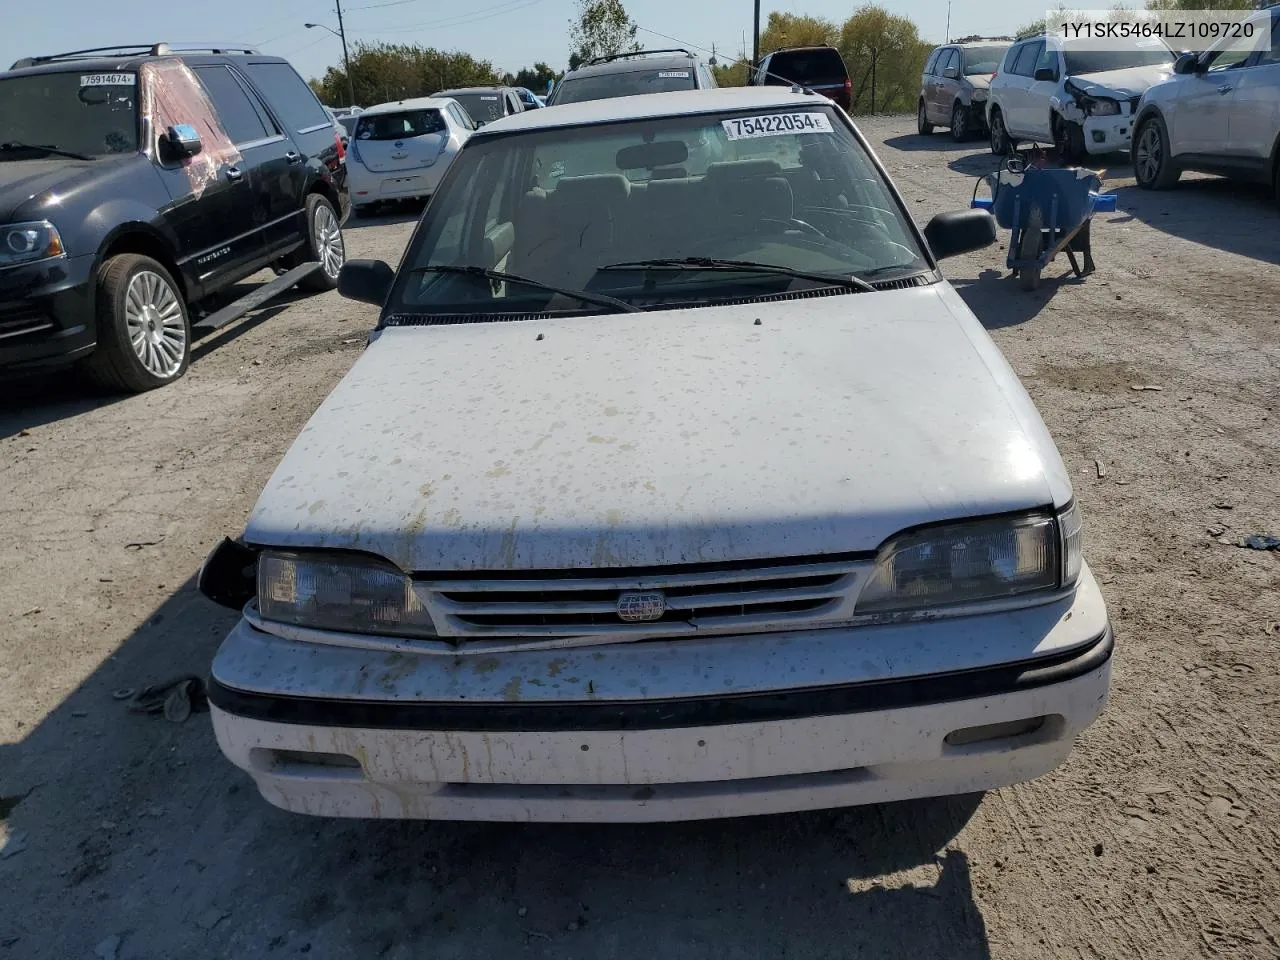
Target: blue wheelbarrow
[(1048, 210)]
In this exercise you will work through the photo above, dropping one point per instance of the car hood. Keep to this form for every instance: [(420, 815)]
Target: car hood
[(806, 427), (23, 180), (979, 81), (1121, 84)]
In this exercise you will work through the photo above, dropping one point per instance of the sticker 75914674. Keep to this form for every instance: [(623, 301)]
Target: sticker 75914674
[(776, 125), (108, 79)]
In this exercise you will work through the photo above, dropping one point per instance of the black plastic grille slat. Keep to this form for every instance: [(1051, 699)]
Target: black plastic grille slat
[(552, 595), (610, 619)]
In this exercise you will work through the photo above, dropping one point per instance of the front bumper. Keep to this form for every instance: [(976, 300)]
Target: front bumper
[(1107, 134), (855, 718), (46, 313)]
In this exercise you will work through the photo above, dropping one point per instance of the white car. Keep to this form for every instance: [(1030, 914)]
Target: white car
[(399, 151), (1220, 114), (664, 491), (1072, 94)]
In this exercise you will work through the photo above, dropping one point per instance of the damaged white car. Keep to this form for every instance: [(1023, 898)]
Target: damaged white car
[(667, 488), (1079, 95)]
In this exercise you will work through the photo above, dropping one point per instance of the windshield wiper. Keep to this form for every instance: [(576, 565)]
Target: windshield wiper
[(599, 299), (743, 266), (14, 145)]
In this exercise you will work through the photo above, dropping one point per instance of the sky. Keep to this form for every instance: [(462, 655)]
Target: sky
[(510, 33)]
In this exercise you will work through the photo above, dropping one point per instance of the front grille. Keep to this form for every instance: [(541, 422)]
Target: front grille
[(20, 318), (744, 597)]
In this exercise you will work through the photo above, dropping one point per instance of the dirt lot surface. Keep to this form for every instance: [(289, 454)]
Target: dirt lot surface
[(127, 836)]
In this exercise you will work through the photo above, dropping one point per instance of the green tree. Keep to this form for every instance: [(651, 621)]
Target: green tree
[(885, 57), (383, 72), (601, 28), (533, 78), (1200, 5), (796, 30)]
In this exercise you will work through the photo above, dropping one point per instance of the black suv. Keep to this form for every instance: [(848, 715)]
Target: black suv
[(135, 182), (631, 74), (820, 69)]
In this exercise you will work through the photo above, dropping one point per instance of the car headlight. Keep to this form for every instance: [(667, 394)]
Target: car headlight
[(27, 242), (340, 593), (973, 561), (1104, 108), (979, 95)]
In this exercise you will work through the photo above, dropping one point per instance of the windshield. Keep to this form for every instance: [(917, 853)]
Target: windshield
[(1149, 54), (95, 114), (482, 107), (632, 83), (983, 60), (808, 67), (398, 126), (793, 190)]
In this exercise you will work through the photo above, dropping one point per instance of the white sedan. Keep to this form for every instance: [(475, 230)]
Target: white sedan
[(672, 488), (401, 150)]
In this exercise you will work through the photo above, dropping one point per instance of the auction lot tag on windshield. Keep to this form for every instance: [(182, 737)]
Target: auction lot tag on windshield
[(776, 125), (108, 79), (673, 75)]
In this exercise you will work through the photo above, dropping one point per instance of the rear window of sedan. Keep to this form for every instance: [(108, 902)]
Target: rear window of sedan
[(632, 83), (398, 126)]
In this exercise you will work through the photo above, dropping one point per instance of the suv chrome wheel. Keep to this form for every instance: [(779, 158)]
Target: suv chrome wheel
[(332, 253), (153, 318)]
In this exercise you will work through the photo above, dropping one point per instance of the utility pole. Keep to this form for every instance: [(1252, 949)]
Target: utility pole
[(755, 46), (948, 40), (346, 58)]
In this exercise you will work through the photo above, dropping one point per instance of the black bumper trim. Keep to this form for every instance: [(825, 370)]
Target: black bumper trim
[(597, 715)]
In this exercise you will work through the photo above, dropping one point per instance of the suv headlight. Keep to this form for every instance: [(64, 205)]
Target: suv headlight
[(340, 593), (28, 242), (1103, 107), (973, 561), (979, 95)]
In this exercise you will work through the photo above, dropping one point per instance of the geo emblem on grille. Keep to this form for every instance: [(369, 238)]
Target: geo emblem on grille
[(634, 607)]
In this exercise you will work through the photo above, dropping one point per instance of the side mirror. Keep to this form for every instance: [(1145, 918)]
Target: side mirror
[(368, 281), (179, 142), (1047, 73), (1186, 63), (950, 234), (951, 73)]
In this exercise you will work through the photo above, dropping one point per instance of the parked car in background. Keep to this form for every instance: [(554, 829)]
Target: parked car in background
[(401, 150), (632, 74), (953, 88), (524, 565), (1079, 95), (137, 182), (528, 98), (484, 104), (1219, 113), (820, 69)]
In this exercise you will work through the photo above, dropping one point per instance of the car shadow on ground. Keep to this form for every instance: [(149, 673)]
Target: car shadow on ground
[(118, 824), (407, 212), (35, 400), (1228, 215)]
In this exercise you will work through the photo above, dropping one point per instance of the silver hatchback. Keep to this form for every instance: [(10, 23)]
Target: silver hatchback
[(953, 89)]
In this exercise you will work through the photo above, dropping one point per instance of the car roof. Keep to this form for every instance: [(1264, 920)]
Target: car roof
[(451, 92), (645, 106), (816, 46), (634, 64), (131, 62), (416, 103)]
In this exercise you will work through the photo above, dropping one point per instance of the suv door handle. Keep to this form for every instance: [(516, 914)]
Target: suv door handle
[(234, 173), (293, 157)]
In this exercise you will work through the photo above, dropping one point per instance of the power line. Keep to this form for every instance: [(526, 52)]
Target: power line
[(463, 20)]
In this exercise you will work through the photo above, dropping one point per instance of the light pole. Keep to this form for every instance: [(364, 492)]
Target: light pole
[(341, 34), (755, 45)]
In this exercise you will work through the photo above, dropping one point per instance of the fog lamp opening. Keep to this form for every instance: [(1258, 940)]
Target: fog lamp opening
[(994, 731)]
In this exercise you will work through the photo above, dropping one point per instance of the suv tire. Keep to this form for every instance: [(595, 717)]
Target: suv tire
[(1000, 144), (923, 126), (144, 333), (960, 125), (1152, 166), (1068, 138), (324, 244)]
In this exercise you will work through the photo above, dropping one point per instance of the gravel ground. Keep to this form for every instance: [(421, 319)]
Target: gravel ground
[(126, 836)]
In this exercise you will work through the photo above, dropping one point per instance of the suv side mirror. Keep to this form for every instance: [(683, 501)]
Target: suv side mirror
[(1186, 63), (1047, 73), (950, 234), (179, 142), (951, 73), (368, 281)]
